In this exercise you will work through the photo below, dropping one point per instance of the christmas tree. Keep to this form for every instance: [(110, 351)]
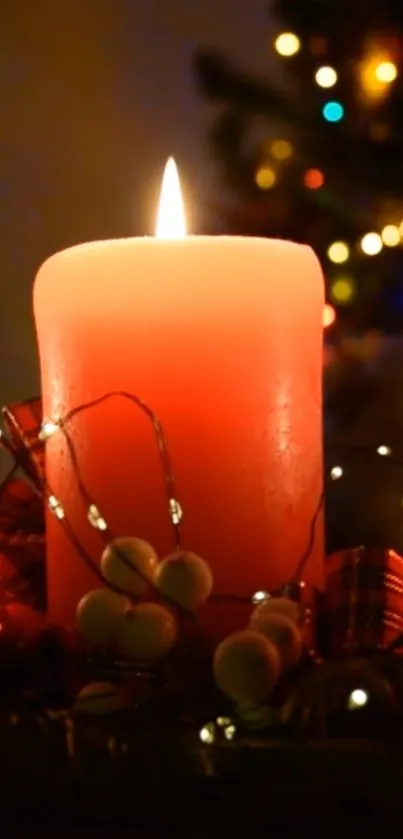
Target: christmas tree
[(318, 156)]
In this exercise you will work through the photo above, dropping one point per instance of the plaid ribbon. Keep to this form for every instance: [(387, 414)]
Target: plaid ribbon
[(363, 602), (22, 519)]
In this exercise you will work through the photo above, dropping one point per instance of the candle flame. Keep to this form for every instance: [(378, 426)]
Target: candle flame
[(171, 222)]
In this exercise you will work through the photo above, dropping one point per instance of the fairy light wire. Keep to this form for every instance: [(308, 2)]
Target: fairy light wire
[(45, 491), (170, 486)]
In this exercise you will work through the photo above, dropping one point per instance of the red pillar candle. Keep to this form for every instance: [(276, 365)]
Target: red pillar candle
[(221, 337)]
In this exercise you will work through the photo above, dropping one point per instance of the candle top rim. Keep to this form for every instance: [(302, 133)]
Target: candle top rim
[(259, 242)]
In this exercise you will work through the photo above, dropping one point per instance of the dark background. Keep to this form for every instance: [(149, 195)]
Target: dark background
[(95, 95)]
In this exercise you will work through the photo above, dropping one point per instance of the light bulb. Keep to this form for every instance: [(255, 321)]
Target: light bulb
[(371, 244), (390, 235), (386, 72), (287, 44), (265, 177), (338, 252), (326, 77)]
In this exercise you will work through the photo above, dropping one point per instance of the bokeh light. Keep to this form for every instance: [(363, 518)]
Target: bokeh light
[(357, 699), (391, 235), (313, 179), (386, 72), (376, 73), (265, 177), (371, 244), (343, 289), (281, 149), (287, 44), (338, 252), (333, 111), (329, 315), (326, 76)]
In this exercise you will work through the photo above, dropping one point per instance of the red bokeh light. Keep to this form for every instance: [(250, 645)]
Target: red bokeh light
[(313, 179)]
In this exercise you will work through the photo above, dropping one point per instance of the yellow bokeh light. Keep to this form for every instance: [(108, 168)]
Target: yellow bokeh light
[(386, 72), (371, 244), (338, 252), (326, 77), (329, 315), (281, 149), (287, 44), (391, 235), (376, 73), (343, 289), (265, 177)]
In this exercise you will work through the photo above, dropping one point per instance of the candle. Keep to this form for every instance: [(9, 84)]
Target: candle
[(221, 337)]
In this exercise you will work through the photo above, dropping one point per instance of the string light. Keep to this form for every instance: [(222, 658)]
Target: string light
[(287, 44), (326, 76), (333, 111), (357, 699), (384, 451), (343, 289), (338, 252), (229, 732), (48, 428), (329, 315), (281, 149), (56, 507), (336, 472), (207, 733), (175, 510), (265, 177), (391, 235), (260, 597), (371, 244), (95, 519), (386, 72)]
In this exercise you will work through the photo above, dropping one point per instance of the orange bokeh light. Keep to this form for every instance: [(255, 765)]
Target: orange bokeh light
[(313, 179)]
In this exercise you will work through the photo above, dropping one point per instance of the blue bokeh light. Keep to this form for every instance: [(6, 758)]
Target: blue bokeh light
[(333, 111)]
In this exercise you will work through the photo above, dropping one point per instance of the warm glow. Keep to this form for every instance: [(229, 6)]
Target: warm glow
[(329, 315), (171, 222), (376, 73), (371, 244), (265, 177), (384, 451), (326, 77), (313, 179), (281, 149), (391, 235), (357, 699), (343, 289), (338, 252), (386, 72), (287, 44)]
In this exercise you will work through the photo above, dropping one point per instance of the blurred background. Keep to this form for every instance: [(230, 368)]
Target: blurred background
[(286, 119)]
